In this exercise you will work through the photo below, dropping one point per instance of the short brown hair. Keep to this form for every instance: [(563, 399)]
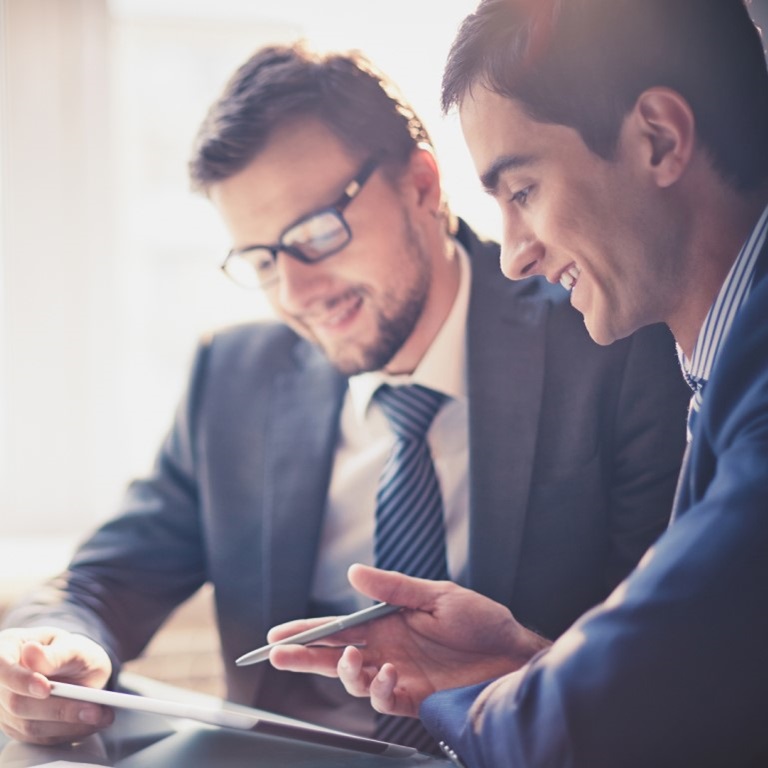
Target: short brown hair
[(279, 84)]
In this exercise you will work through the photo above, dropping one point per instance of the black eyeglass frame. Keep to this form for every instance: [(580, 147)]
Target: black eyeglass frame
[(351, 191)]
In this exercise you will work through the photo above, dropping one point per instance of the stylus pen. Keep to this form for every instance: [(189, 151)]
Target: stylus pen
[(329, 628)]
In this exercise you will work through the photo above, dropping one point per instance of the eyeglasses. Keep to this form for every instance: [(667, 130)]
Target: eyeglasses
[(312, 238)]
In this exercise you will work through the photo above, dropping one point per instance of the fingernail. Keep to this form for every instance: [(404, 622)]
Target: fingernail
[(89, 715), (37, 689)]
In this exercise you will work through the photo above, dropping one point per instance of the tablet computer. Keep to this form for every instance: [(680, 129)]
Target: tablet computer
[(240, 719)]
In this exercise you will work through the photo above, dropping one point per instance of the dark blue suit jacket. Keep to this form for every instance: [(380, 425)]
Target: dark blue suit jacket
[(672, 669)]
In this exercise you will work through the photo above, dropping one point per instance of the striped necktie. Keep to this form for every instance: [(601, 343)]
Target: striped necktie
[(696, 383), (410, 535), (410, 532)]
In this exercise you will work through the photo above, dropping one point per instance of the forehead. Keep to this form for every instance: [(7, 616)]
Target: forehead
[(501, 136), (299, 169)]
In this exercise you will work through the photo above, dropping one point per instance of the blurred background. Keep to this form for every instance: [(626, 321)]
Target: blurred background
[(108, 264)]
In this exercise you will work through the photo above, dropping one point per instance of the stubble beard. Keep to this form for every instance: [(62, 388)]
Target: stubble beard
[(396, 317)]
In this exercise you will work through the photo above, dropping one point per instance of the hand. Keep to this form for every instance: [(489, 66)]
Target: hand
[(447, 638), (29, 658)]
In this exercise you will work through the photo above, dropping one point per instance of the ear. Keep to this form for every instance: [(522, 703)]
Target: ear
[(424, 175), (665, 123)]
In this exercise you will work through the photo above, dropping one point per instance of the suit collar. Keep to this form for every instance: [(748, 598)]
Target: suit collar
[(505, 352), (684, 492), (300, 435), (761, 268)]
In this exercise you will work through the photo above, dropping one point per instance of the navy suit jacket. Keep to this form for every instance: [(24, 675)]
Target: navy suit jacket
[(671, 670), (575, 450)]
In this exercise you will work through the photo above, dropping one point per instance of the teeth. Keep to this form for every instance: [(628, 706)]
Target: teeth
[(569, 277), (342, 308)]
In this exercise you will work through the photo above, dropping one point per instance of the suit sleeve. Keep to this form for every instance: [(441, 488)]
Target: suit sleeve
[(670, 670), (648, 445), (125, 579)]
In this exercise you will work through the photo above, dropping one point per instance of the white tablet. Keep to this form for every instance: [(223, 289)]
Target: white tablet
[(230, 718)]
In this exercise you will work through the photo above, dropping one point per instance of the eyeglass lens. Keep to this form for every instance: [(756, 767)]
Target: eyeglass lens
[(318, 235)]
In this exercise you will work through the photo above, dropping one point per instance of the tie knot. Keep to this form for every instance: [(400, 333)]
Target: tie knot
[(410, 409)]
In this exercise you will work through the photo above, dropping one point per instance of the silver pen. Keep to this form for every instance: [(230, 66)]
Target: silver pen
[(324, 630)]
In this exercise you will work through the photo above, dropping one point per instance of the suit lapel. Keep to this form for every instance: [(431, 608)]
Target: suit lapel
[(301, 436), (684, 492), (505, 356)]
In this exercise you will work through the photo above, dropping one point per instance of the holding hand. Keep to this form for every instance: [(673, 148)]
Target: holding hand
[(28, 659), (446, 637)]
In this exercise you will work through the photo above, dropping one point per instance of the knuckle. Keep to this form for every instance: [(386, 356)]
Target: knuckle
[(33, 729), (16, 704)]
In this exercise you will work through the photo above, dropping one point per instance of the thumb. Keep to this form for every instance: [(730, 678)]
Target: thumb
[(46, 659), (393, 587), (68, 656)]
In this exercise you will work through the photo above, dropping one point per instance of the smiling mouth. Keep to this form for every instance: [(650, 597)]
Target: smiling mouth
[(570, 277), (336, 312)]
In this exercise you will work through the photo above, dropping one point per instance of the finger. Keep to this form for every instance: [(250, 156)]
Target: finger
[(351, 636), (14, 675), (64, 655), (53, 719), (54, 708), (299, 658), (52, 732), (383, 689), (355, 677), (290, 628), (69, 657), (20, 679), (393, 587), (45, 659)]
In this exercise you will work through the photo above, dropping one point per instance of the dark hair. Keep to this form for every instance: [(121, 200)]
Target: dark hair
[(583, 64), (279, 84)]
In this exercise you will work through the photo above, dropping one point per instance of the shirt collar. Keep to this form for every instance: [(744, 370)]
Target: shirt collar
[(732, 295), (443, 366)]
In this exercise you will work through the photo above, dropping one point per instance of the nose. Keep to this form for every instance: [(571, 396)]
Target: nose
[(299, 284), (521, 251), (521, 257)]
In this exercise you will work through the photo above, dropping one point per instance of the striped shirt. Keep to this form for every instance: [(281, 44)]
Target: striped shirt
[(732, 295)]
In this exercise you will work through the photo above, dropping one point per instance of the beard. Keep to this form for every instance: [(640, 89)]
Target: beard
[(393, 330), (396, 313)]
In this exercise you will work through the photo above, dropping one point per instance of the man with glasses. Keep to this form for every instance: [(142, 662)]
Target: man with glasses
[(553, 459)]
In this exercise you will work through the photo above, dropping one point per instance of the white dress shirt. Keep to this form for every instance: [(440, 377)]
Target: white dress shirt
[(365, 441)]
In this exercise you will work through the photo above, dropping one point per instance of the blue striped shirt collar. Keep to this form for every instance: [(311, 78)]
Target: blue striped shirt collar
[(717, 324)]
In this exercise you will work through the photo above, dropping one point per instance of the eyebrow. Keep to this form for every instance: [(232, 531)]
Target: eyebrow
[(490, 178)]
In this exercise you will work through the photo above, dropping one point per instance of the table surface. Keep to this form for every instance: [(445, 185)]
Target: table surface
[(141, 740)]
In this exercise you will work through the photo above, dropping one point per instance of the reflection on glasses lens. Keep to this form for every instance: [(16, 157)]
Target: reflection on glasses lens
[(318, 236), (313, 238)]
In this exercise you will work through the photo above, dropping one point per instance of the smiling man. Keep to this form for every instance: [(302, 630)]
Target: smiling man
[(381, 302), (626, 143), (545, 473), (554, 192)]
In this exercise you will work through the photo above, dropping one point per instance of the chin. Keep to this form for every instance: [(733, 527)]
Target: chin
[(601, 333)]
